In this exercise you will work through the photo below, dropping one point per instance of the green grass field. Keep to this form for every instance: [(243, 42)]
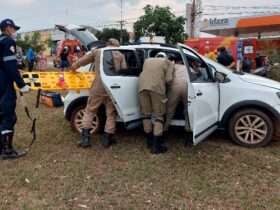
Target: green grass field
[(57, 175)]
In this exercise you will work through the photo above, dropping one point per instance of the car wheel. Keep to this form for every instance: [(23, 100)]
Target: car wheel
[(251, 128), (76, 120)]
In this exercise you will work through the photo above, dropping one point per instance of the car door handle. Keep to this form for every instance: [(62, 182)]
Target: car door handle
[(199, 93), (115, 86)]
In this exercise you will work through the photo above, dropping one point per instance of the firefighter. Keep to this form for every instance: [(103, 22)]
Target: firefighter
[(9, 75), (157, 72), (99, 96), (177, 93)]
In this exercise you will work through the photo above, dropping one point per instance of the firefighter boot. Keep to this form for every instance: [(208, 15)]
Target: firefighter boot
[(149, 140), (157, 147), (107, 140), (85, 141), (8, 151), (1, 145)]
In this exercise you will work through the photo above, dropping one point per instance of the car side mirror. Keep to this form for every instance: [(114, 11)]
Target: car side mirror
[(221, 77)]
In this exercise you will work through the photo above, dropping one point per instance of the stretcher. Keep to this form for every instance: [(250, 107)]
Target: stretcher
[(52, 81)]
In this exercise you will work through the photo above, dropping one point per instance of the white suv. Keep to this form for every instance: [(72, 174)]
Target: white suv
[(248, 106)]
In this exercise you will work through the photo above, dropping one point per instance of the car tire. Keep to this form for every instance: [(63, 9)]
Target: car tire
[(251, 128), (98, 122)]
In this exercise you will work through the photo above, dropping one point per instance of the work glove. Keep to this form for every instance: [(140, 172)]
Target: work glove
[(25, 89)]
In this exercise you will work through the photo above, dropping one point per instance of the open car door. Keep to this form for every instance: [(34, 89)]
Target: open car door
[(122, 85), (203, 96)]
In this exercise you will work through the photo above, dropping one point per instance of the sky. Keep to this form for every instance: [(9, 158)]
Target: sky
[(41, 14)]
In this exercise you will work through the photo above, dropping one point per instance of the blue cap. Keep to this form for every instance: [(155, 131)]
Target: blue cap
[(8, 22)]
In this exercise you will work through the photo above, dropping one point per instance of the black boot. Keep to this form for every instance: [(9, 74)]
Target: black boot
[(157, 147), (85, 141), (1, 145), (188, 139), (149, 140), (107, 140), (8, 151)]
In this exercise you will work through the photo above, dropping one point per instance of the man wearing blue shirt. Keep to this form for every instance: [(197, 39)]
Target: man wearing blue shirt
[(31, 57)]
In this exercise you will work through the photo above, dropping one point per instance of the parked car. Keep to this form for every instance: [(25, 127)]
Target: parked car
[(247, 106)]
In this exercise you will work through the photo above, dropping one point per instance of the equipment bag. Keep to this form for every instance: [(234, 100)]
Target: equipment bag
[(51, 99)]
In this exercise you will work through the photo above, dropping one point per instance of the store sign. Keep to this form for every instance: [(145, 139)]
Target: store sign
[(248, 50), (218, 22)]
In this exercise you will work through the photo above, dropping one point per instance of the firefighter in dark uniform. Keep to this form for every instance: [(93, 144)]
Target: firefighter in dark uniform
[(9, 75)]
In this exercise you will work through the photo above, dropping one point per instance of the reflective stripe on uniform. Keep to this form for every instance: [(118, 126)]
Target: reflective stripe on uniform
[(6, 132), (9, 58), (2, 38)]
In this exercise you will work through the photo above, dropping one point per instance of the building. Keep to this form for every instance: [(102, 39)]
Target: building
[(52, 34), (243, 27)]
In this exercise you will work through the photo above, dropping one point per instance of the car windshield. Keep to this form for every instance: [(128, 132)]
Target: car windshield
[(217, 66), (212, 63)]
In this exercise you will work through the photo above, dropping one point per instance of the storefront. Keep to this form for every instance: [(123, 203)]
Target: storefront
[(245, 27)]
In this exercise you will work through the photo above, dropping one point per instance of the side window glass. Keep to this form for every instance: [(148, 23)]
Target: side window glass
[(198, 70), (141, 55), (121, 63)]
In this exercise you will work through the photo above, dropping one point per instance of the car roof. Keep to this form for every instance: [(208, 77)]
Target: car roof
[(145, 46)]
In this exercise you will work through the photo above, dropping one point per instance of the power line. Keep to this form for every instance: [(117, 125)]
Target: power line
[(242, 7)]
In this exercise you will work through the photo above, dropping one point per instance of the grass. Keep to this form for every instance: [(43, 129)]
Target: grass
[(57, 175)]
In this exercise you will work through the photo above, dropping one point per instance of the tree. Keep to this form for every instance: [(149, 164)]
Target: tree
[(33, 41), (108, 33), (160, 21)]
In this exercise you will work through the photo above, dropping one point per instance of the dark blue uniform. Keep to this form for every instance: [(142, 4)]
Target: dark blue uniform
[(9, 75)]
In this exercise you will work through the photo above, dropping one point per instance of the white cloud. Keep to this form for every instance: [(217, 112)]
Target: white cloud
[(38, 14), (17, 2)]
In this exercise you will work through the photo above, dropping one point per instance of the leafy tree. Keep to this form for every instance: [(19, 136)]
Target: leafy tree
[(160, 21), (49, 43), (108, 33), (33, 41)]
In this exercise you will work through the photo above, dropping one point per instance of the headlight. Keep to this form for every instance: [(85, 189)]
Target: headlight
[(278, 94)]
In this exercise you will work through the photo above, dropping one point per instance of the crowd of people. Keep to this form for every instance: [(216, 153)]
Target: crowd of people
[(31, 59), (259, 65)]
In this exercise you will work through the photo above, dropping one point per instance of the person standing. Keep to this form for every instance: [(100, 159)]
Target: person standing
[(99, 96), (64, 58), (31, 57), (157, 73), (259, 61), (247, 65), (225, 58), (20, 62), (9, 75)]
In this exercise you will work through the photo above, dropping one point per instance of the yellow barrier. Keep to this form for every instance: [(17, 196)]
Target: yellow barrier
[(58, 80)]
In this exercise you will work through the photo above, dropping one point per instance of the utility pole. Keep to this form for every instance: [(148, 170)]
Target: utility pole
[(121, 23), (193, 14), (193, 11)]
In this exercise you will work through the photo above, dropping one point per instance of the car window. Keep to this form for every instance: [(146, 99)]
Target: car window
[(174, 54), (121, 63), (141, 55), (198, 70), (217, 66)]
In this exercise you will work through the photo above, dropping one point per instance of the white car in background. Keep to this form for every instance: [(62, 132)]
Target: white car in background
[(247, 106)]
